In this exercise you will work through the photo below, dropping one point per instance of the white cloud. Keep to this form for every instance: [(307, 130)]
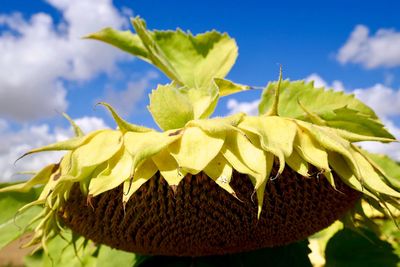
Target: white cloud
[(319, 82), (379, 50), (391, 149), (37, 55), (15, 143), (384, 100), (125, 100), (250, 108)]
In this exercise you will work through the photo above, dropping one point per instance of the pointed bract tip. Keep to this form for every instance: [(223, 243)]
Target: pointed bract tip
[(275, 104)]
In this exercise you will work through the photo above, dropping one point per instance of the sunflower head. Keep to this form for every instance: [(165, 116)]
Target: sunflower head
[(243, 182)]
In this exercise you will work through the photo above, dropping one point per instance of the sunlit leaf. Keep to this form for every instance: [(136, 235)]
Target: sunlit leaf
[(12, 224), (170, 108), (338, 109)]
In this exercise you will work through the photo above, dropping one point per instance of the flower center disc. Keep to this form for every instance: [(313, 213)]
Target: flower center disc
[(200, 218)]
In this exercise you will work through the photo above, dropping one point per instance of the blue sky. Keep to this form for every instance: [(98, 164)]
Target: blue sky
[(47, 69)]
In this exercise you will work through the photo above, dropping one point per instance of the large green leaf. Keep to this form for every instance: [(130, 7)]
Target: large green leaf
[(12, 225), (336, 109), (189, 60), (348, 248), (84, 254)]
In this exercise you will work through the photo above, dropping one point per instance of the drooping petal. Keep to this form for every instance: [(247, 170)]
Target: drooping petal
[(236, 150), (371, 178), (70, 144), (143, 173), (221, 172), (169, 168), (298, 164), (196, 149), (119, 170), (310, 150), (262, 182), (143, 146), (276, 135), (101, 147), (41, 177)]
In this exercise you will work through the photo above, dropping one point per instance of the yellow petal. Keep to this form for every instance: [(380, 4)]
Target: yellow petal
[(310, 150), (101, 147), (218, 125), (143, 146), (328, 138), (144, 172), (276, 135), (41, 177), (262, 182), (371, 178), (119, 170), (168, 167), (221, 172), (341, 167), (70, 144), (196, 149), (244, 156), (298, 164)]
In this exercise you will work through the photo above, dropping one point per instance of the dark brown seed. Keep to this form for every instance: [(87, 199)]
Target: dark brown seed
[(200, 218)]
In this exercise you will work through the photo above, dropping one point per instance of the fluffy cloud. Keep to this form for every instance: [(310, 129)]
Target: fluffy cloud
[(37, 55), (391, 149), (319, 82), (379, 50), (125, 100), (250, 108), (384, 100), (13, 144)]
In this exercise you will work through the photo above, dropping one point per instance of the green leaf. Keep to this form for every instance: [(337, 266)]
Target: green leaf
[(123, 40), (337, 109), (356, 122), (116, 258), (84, 253), (63, 253), (170, 108), (189, 60), (203, 100), (348, 248), (12, 225)]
